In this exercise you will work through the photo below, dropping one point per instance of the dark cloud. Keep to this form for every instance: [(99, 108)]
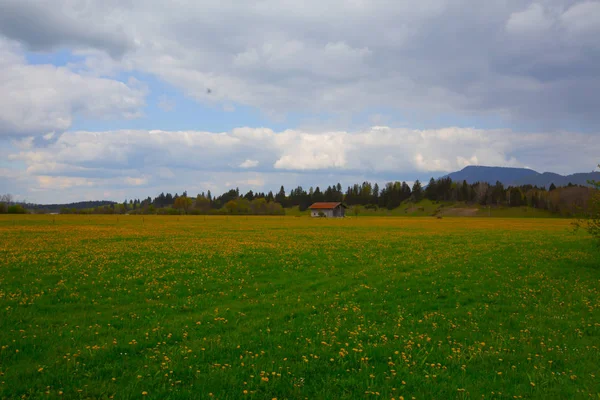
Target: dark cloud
[(47, 26), (526, 62)]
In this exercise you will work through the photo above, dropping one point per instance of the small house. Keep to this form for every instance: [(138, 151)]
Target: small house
[(328, 209)]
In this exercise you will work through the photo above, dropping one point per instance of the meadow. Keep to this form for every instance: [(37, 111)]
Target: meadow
[(163, 307)]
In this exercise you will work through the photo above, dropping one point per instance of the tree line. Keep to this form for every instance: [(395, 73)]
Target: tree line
[(567, 200)]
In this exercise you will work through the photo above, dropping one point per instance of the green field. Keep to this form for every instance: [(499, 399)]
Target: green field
[(134, 307), (428, 208)]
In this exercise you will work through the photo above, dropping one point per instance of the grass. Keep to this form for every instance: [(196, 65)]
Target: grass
[(426, 208), (516, 212), (135, 307)]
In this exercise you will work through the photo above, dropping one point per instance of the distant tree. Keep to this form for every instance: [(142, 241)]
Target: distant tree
[(465, 192), (182, 203), (317, 195), (591, 220), (497, 193), (515, 197), (552, 187), (481, 190), (375, 199), (431, 190), (270, 197), (405, 191), (417, 191), (231, 206), (6, 198), (249, 196), (16, 209), (5, 201), (280, 196), (202, 204), (258, 206)]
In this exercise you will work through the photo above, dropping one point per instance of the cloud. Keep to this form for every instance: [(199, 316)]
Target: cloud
[(526, 63), (532, 20), (581, 24), (130, 162), (136, 181), (531, 66), (42, 98), (62, 182), (302, 151), (249, 164), (45, 26)]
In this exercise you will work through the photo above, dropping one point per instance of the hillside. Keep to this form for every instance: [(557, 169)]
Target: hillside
[(547, 178), (81, 205)]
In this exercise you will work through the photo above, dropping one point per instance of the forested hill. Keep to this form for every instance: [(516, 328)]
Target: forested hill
[(519, 176), (81, 205), (548, 178)]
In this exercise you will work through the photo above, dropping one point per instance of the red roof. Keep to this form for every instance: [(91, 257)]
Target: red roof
[(324, 205)]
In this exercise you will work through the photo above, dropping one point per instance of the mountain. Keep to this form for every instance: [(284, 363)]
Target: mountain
[(507, 176), (547, 178), (520, 176)]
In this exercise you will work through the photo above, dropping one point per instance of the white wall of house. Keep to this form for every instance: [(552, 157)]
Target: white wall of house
[(328, 213)]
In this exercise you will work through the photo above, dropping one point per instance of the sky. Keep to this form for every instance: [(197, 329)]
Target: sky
[(121, 99)]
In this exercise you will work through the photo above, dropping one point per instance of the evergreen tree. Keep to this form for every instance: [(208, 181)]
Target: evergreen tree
[(280, 197), (431, 190), (375, 198), (417, 191)]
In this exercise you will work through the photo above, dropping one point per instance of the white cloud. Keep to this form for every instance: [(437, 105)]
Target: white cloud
[(49, 135), (41, 98), (534, 20), (62, 182), (249, 164), (136, 181), (130, 161), (302, 151), (463, 162)]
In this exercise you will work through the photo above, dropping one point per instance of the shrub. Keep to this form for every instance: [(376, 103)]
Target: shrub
[(17, 209)]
